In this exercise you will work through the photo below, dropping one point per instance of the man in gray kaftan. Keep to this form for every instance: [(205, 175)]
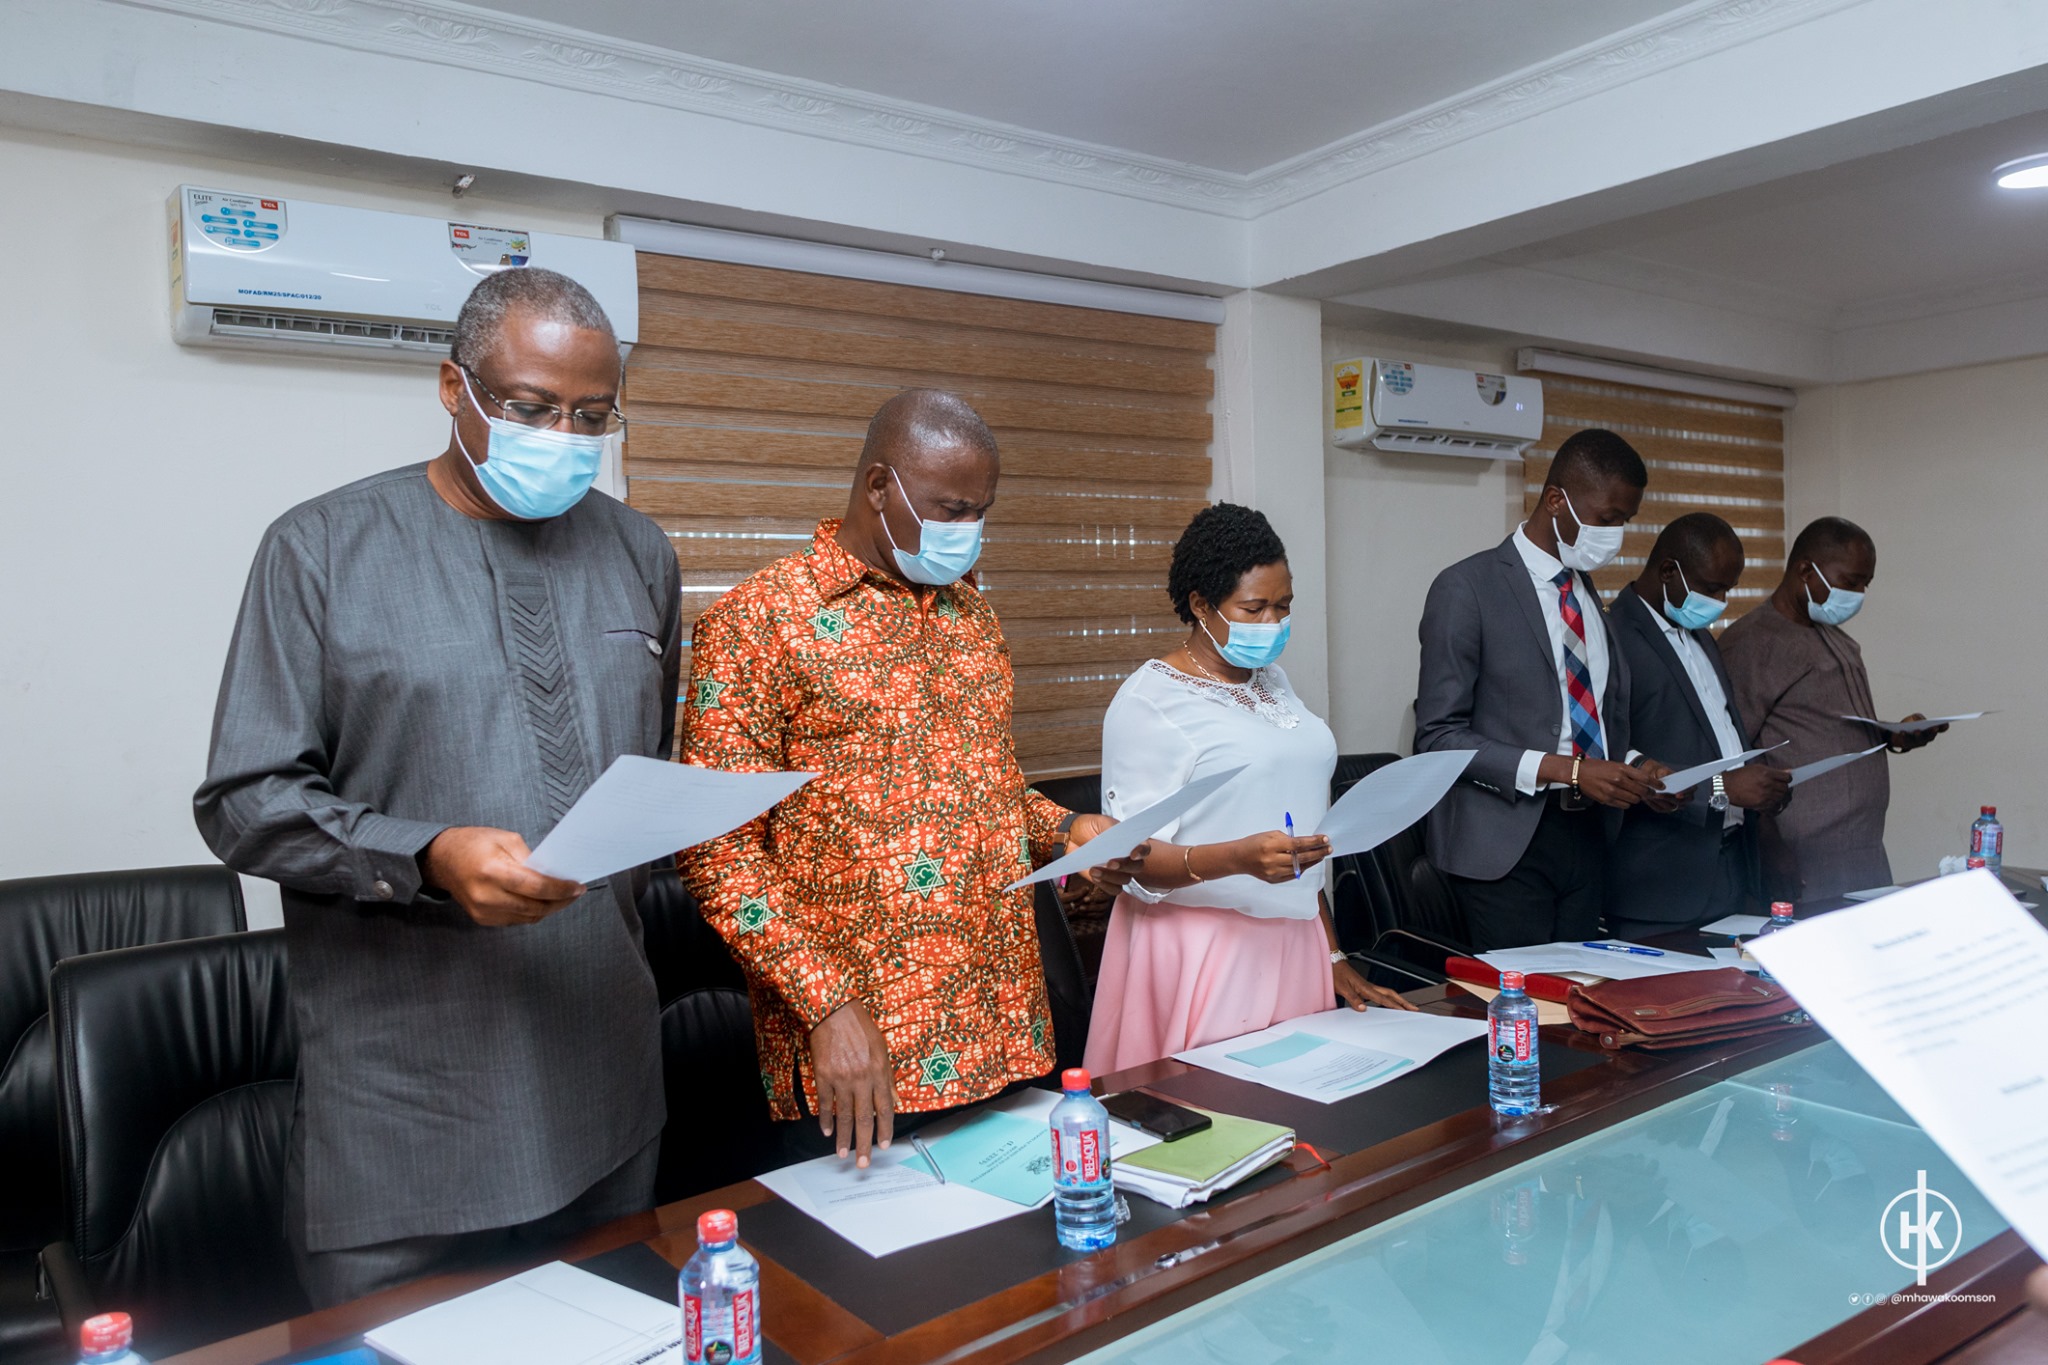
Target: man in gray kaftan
[(430, 666), (1796, 675)]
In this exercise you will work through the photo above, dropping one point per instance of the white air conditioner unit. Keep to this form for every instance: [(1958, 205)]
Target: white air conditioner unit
[(1433, 409), (263, 271)]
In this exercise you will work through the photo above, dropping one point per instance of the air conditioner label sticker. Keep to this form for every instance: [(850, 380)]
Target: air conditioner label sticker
[(489, 249), (1349, 400), (239, 222)]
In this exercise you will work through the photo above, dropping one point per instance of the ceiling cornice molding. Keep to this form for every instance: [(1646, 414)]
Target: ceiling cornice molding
[(452, 33)]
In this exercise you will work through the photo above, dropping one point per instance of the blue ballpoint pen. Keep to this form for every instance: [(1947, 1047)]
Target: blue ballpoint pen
[(1288, 815), (1625, 948)]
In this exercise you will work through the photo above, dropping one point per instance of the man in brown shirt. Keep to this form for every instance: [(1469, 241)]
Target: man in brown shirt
[(1797, 674)]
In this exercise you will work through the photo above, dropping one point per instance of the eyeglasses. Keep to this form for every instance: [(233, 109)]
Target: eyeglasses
[(546, 416)]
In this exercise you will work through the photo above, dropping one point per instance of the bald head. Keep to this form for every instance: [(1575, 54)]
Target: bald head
[(928, 457), (921, 424)]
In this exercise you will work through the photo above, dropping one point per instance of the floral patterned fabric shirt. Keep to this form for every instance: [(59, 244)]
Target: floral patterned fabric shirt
[(882, 880)]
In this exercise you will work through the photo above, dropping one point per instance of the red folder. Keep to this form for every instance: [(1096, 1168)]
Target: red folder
[(1540, 985)]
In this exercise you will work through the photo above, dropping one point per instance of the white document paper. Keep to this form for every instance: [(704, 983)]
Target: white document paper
[(893, 1205), (1872, 893), (1735, 926), (1934, 991), (1828, 765), (552, 1315), (641, 809), (1554, 958), (1120, 838), (1386, 801), (1685, 779), (1332, 1056), (1914, 727), (1735, 957)]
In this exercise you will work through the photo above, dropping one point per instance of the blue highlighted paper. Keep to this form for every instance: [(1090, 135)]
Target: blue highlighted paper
[(996, 1153), (1279, 1050)]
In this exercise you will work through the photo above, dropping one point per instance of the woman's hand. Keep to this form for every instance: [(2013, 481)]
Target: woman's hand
[(1355, 991), (1276, 856)]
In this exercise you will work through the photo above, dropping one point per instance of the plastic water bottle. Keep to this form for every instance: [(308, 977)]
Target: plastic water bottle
[(721, 1292), (104, 1340), (1987, 839), (1514, 1081), (1083, 1195), (1781, 918)]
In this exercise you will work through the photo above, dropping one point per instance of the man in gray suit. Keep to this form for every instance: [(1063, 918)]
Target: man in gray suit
[(1518, 663), (430, 666)]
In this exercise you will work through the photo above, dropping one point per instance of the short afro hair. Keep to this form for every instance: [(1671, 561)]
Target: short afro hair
[(1825, 537), (1221, 545), (547, 295), (1591, 459)]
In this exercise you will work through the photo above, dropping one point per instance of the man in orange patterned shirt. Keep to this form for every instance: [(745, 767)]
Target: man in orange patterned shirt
[(889, 970)]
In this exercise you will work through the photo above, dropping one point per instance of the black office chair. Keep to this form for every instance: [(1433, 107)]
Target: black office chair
[(1372, 900), (1085, 931), (175, 1070), (42, 921), (719, 1130)]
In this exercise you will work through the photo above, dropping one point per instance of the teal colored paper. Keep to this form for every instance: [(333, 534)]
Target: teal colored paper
[(998, 1154), (1279, 1050)]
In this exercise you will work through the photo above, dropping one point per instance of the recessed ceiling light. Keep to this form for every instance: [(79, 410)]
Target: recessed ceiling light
[(2028, 173)]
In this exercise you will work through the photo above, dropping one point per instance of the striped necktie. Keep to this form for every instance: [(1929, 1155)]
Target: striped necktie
[(1578, 673)]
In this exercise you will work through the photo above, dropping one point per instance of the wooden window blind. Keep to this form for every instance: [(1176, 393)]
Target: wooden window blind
[(750, 392), (1704, 455)]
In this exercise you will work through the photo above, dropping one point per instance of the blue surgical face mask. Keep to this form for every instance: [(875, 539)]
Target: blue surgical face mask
[(1697, 611), (1841, 604), (946, 549), (1251, 644), (535, 474)]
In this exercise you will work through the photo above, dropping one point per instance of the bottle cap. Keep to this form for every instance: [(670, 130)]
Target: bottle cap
[(1781, 908), (719, 1225), (107, 1332), (1074, 1078), (1987, 810), (1511, 981)]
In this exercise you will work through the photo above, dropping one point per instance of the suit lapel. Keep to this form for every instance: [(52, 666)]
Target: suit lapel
[(1523, 590), (1667, 653)]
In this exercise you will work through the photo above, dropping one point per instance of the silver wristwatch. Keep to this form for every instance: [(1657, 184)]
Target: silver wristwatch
[(1719, 800)]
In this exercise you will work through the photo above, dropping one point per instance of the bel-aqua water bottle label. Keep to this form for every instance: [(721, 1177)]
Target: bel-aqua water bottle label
[(1513, 1042), (724, 1335), (1083, 1165)]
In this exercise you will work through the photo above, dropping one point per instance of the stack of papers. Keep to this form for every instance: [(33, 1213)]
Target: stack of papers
[(1329, 1057), (997, 1162), (1190, 1169), (552, 1315), (1576, 959)]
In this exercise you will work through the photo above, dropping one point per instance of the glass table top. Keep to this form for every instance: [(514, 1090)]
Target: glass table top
[(1723, 1228)]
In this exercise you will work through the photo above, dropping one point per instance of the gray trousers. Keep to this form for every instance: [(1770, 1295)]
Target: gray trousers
[(335, 1277)]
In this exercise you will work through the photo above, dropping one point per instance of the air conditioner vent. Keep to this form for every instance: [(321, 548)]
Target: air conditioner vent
[(254, 324)]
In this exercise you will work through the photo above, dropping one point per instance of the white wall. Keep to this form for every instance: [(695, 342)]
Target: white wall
[(1268, 453), (1949, 473), (1393, 523), (138, 477)]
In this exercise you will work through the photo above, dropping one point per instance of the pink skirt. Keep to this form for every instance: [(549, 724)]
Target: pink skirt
[(1179, 976)]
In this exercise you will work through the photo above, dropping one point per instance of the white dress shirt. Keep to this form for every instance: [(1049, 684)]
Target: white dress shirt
[(1707, 684), (1165, 729), (1543, 571)]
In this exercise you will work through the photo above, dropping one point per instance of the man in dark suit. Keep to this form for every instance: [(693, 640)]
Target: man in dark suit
[(1690, 866), (1519, 664)]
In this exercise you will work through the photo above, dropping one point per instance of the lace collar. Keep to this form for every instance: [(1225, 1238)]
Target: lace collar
[(1253, 695)]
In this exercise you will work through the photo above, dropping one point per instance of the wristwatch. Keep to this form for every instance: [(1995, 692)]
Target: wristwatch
[(1338, 958), (1719, 800)]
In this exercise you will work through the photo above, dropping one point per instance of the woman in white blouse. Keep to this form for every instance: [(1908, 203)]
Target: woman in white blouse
[(1222, 929)]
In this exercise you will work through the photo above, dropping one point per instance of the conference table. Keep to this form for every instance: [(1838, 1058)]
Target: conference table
[(1719, 1203)]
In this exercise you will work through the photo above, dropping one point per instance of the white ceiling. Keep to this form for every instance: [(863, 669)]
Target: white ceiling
[(1221, 84), (1899, 234)]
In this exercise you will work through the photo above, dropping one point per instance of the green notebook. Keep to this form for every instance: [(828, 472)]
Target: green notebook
[(1201, 1157)]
